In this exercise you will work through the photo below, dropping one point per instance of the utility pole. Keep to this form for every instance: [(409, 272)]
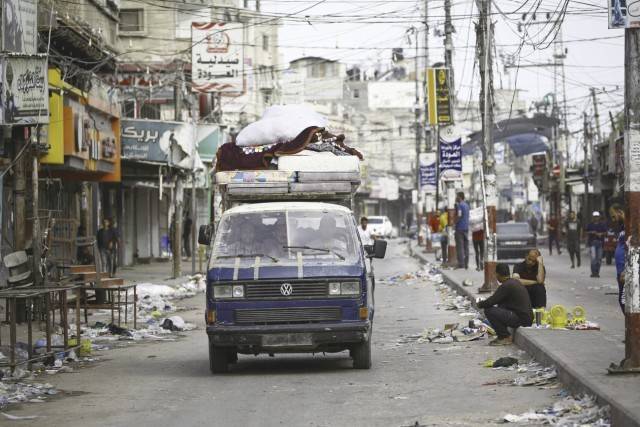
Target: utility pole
[(176, 246), (587, 140), (450, 190), (484, 38), (596, 115), (19, 190), (631, 362)]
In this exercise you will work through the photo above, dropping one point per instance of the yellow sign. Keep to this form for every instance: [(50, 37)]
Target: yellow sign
[(438, 96)]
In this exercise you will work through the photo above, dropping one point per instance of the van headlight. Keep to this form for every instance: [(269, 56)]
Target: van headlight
[(334, 288), (344, 288), (238, 291), (228, 291), (350, 288)]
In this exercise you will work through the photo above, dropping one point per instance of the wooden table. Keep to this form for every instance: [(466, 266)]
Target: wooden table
[(31, 294)]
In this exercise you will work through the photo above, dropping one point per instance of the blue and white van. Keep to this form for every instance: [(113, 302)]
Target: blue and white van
[(289, 276)]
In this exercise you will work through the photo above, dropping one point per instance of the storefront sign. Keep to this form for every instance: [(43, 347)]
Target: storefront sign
[(24, 94), (150, 140), (19, 26), (217, 57)]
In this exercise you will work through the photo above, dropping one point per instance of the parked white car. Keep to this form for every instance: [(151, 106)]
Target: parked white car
[(380, 226)]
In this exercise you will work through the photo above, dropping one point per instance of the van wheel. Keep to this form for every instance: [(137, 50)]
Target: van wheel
[(361, 355), (218, 359)]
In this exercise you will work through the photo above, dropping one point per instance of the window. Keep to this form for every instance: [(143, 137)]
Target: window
[(356, 93), (265, 42), (131, 21), (187, 14)]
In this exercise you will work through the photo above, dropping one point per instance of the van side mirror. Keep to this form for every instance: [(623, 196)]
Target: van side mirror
[(379, 248), (204, 234)]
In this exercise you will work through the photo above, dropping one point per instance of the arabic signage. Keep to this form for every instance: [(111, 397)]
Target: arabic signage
[(19, 26), (624, 13), (438, 96), (450, 156), (217, 57), (428, 172), (24, 93), (149, 140)]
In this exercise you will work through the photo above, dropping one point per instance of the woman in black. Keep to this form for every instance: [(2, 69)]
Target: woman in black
[(532, 275)]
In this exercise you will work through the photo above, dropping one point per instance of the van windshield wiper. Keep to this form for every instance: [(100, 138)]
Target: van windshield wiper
[(338, 254), (274, 259)]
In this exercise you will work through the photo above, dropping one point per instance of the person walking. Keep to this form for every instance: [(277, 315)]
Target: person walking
[(106, 239), (444, 235), (620, 254), (365, 233), (462, 231), (509, 306), (596, 230), (478, 248), (573, 229), (532, 274), (553, 231)]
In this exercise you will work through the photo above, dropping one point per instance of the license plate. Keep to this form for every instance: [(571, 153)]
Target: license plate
[(514, 243), (286, 340)]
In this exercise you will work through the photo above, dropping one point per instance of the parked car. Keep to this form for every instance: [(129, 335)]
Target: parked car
[(515, 240), (380, 226)]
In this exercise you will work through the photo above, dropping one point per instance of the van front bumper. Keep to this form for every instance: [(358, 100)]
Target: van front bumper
[(294, 337)]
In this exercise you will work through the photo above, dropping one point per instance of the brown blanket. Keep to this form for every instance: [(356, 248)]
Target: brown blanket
[(232, 157)]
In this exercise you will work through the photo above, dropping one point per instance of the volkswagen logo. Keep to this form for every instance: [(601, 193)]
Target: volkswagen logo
[(286, 289)]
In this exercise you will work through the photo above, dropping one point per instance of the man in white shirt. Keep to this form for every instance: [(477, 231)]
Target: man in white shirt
[(365, 234)]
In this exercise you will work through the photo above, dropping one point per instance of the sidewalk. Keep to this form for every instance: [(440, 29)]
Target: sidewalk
[(159, 272), (581, 357)]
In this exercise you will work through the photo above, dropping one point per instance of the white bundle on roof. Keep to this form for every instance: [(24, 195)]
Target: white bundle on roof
[(280, 123)]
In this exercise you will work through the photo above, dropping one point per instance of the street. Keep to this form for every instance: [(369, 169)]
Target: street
[(168, 384)]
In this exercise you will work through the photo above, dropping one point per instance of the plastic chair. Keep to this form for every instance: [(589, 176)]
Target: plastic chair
[(20, 272)]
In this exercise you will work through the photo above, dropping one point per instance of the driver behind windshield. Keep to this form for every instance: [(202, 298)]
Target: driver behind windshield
[(327, 236)]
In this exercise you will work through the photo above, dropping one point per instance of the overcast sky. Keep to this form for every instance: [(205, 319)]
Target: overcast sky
[(364, 31)]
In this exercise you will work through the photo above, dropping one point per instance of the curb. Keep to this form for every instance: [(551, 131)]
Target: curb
[(567, 374)]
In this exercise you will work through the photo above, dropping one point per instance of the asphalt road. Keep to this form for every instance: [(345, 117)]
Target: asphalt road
[(169, 384)]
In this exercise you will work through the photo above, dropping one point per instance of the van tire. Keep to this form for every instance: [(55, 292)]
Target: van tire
[(218, 359), (361, 355)]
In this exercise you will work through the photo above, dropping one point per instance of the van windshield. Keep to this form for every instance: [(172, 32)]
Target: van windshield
[(280, 237)]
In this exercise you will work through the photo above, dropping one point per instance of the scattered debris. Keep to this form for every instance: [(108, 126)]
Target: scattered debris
[(570, 411), (18, 418), (504, 362)]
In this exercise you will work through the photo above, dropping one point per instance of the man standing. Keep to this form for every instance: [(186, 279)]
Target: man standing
[(596, 230), (186, 234), (462, 231), (106, 239), (531, 273), (617, 216), (573, 229), (444, 235), (478, 247), (509, 306), (553, 229), (364, 232)]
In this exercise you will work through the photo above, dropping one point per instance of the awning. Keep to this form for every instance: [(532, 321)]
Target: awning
[(524, 135), (527, 143)]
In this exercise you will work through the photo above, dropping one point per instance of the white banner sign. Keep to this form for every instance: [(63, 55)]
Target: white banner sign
[(25, 93), (217, 57), (476, 219)]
